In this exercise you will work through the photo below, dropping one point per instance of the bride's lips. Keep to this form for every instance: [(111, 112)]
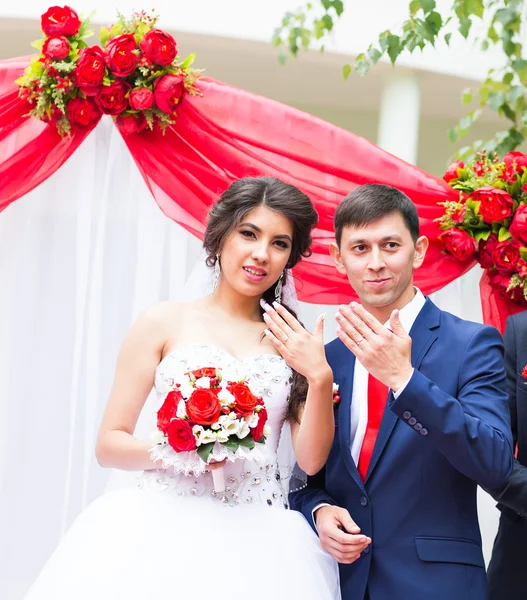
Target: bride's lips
[(255, 273)]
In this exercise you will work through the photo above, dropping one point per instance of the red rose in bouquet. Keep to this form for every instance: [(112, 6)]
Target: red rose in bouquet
[(505, 256), (245, 400), (120, 58), (60, 21), (451, 172), (168, 91), (486, 248), (132, 124), (180, 436), (83, 112), (112, 99), (502, 282), (168, 411), (203, 407), (56, 48), (458, 243), (495, 204), (90, 70), (518, 228), (515, 161), (159, 47), (257, 432), (141, 99)]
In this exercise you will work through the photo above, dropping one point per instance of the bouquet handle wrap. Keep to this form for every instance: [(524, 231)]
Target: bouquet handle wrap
[(218, 478)]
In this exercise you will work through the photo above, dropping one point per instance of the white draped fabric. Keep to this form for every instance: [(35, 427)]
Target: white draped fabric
[(80, 257)]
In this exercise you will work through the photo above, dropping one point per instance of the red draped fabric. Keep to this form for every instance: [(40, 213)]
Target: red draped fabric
[(30, 150), (224, 135), (230, 133)]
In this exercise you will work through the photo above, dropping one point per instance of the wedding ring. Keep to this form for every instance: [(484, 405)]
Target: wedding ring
[(360, 341), (285, 341)]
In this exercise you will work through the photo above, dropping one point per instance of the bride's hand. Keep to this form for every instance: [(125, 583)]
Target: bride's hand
[(302, 350)]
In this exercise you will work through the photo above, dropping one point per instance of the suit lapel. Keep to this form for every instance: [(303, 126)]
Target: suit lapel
[(423, 334), (344, 414)]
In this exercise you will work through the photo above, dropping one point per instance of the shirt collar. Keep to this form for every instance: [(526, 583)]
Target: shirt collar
[(408, 313)]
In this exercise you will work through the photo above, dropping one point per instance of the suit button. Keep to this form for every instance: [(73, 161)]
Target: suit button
[(418, 426), (364, 500), (406, 415), (424, 431), (412, 421), (366, 550)]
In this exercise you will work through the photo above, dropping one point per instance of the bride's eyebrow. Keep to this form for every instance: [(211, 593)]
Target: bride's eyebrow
[(283, 236)]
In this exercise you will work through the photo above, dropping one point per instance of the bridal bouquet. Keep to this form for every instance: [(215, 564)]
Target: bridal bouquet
[(489, 220), (213, 416)]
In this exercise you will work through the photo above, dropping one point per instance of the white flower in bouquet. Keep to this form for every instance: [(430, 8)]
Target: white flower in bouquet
[(157, 437), (244, 430), (225, 397), (215, 426), (186, 388), (202, 435), (181, 412), (222, 436), (252, 420), (203, 382), (267, 431), (335, 387), (230, 425)]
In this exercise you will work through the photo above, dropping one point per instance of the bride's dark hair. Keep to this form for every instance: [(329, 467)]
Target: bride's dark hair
[(226, 214)]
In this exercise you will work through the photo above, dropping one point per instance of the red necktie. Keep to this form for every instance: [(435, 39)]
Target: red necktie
[(377, 396)]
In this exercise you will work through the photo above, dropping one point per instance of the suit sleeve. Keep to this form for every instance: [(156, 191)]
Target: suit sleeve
[(513, 494), (309, 497), (472, 431)]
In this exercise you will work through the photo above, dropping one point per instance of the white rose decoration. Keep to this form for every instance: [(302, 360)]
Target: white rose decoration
[(225, 397), (203, 382)]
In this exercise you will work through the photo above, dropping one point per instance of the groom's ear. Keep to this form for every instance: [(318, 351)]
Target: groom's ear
[(334, 251)]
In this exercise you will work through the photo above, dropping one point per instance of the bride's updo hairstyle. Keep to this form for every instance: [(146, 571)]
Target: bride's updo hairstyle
[(228, 212)]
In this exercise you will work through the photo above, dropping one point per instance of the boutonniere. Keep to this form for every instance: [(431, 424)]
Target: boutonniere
[(524, 375), (336, 397)]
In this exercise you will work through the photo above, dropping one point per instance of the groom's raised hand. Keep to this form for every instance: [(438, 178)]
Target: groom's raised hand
[(339, 534)]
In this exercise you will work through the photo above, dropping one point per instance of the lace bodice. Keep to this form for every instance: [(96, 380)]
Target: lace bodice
[(247, 481)]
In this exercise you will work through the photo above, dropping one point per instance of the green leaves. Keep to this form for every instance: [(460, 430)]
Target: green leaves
[(204, 451), (346, 70)]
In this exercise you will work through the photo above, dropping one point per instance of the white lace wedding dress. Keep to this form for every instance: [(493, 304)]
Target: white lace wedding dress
[(173, 537)]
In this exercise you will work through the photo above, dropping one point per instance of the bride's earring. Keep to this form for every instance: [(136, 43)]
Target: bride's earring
[(216, 272), (278, 289)]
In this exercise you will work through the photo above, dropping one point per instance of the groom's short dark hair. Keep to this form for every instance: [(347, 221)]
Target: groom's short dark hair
[(371, 202)]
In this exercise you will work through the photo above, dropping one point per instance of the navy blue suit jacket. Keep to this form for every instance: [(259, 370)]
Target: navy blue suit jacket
[(447, 432)]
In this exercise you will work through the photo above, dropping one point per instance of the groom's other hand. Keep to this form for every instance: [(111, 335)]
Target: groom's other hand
[(339, 534)]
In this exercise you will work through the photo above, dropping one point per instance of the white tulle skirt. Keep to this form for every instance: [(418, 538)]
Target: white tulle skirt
[(134, 544)]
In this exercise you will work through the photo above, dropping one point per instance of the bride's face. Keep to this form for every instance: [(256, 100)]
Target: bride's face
[(256, 252)]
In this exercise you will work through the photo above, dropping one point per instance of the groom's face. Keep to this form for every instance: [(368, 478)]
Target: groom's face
[(379, 260)]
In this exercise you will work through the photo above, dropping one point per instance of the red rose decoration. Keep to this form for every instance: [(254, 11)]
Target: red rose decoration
[(521, 268), (141, 99), (518, 228), (168, 411), (60, 21), (245, 400), (132, 124), (203, 407), (515, 161), (90, 70), (112, 99), (505, 256), (458, 243), (452, 171), (159, 47), (502, 282), (83, 112), (168, 91), (257, 432), (486, 248), (495, 204), (119, 56), (524, 372), (56, 48), (180, 436)]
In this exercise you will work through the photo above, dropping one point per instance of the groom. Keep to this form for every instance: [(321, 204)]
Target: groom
[(423, 419)]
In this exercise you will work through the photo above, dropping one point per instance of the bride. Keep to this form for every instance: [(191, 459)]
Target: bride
[(174, 536)]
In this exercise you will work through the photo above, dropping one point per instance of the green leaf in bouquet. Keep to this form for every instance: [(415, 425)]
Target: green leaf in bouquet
[(104, 36), (232, 444), (37, 44), (482, 234), (117, 29), (504, 234), (247, 442), (473, 205), (188, 61), (523, 253), (204, 451)]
